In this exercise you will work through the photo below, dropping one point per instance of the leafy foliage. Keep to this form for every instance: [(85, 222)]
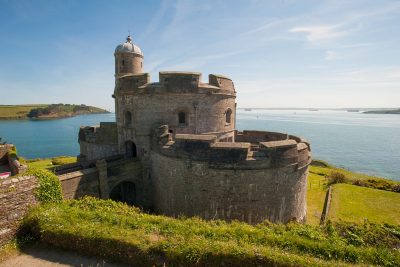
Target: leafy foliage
[(119, 232), (63, 160), (49, 189), (62, 109), (336, 177)]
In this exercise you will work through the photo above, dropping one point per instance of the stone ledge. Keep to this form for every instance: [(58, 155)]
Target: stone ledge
[(278, 144)]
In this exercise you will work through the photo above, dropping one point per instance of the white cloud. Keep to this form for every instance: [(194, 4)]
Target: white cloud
[(320, 33), (330, 55)]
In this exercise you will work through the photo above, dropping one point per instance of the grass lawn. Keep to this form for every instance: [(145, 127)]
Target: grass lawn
[(316, 192), (17, 111), (353, 203), (52, 162)]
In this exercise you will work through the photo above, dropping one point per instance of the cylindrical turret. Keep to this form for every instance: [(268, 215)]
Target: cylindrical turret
[(128, 59)]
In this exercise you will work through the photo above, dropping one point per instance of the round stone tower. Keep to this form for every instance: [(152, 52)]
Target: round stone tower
[(128, 59)]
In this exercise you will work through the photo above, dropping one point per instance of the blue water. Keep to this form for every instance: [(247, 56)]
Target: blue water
[(368, 143), (365, 143), (48, 138)]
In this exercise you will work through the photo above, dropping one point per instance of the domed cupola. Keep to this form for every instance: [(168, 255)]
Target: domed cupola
[(128, 59), (128, 47)]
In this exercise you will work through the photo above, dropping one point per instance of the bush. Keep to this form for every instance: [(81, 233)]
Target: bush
[(336, 177), (49, 189), (63, 160)]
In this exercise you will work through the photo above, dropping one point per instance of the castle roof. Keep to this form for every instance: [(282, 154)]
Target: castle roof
[(128, 47)]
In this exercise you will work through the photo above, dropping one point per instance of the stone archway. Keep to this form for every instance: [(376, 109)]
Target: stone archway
[(124, 192), (130, 150)]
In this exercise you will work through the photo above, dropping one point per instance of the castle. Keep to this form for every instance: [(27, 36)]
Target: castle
[(180, 134)]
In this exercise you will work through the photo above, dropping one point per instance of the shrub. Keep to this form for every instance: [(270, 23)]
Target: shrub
[(63, 160), (49, 189), (396, 188), (336, 177)]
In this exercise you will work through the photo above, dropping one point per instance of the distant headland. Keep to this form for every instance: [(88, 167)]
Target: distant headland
[(46, 111), (385, 111)]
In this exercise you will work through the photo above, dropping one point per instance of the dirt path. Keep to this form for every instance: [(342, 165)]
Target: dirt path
[(49, 257)]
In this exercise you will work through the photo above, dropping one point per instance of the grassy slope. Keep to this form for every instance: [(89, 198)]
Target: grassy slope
[(354, 203), (114, 230), (21, 111), (316, 192), (17, 111), (48, 163), (365, 205)]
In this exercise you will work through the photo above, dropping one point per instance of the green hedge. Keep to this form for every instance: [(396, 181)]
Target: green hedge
[(49, 189), (116, 231)]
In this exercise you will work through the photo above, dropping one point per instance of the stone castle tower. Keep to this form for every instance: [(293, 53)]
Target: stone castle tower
[(193, 162)]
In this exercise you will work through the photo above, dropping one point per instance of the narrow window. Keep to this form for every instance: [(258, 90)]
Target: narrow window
[(128, 119), (228, 116), (182, 117), (123, 62)]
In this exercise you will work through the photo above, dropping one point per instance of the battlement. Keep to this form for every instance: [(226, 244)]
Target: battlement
[(253, 150), (105, 133), (174, 81), (131, 81)]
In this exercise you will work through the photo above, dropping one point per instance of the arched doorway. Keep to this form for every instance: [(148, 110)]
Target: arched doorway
[(124, 192), (130, 150)]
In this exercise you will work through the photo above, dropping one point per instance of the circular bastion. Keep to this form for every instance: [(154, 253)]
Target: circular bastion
[(260, 176)]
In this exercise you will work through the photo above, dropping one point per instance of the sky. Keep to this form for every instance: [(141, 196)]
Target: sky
[(312, 54)]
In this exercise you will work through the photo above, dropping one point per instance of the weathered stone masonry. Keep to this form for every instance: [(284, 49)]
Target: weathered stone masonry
[(181, 132), (16, 196)]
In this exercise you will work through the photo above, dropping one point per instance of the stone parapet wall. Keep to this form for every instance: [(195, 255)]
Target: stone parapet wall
[(98, 142), (16, 196), (252, 154), (174, 82), (80, 183)]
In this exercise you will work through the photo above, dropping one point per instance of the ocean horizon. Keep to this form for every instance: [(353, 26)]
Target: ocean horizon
[(366, 143)]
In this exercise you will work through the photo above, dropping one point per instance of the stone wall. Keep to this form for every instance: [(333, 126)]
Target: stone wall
[(99, 181), (80, 183), (251, 181), (126, 63), (193, 188), (98, 142), (16, 196), (205, 107)]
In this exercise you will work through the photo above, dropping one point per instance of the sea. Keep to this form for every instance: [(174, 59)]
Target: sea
[(367, 143)]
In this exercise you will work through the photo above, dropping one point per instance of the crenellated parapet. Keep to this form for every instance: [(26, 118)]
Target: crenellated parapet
[(254, 150), (174, 82), (97, 142)]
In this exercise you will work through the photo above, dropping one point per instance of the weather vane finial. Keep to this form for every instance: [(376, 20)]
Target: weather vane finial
[(129, 38)]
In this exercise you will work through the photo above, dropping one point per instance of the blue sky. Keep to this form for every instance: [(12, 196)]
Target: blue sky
[(279, 53)]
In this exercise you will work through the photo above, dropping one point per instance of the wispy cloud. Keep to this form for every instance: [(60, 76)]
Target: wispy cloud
[(330, 55), (321, 33)]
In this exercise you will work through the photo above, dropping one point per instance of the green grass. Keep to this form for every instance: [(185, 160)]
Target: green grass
[(17, 111), (54, 110), (316, 191), (358, 178), (353, 203), (119, 232), (51, 163)]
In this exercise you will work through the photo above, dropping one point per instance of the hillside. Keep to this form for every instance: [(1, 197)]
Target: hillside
[(391, 111), (45, 111), (362, 229)]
